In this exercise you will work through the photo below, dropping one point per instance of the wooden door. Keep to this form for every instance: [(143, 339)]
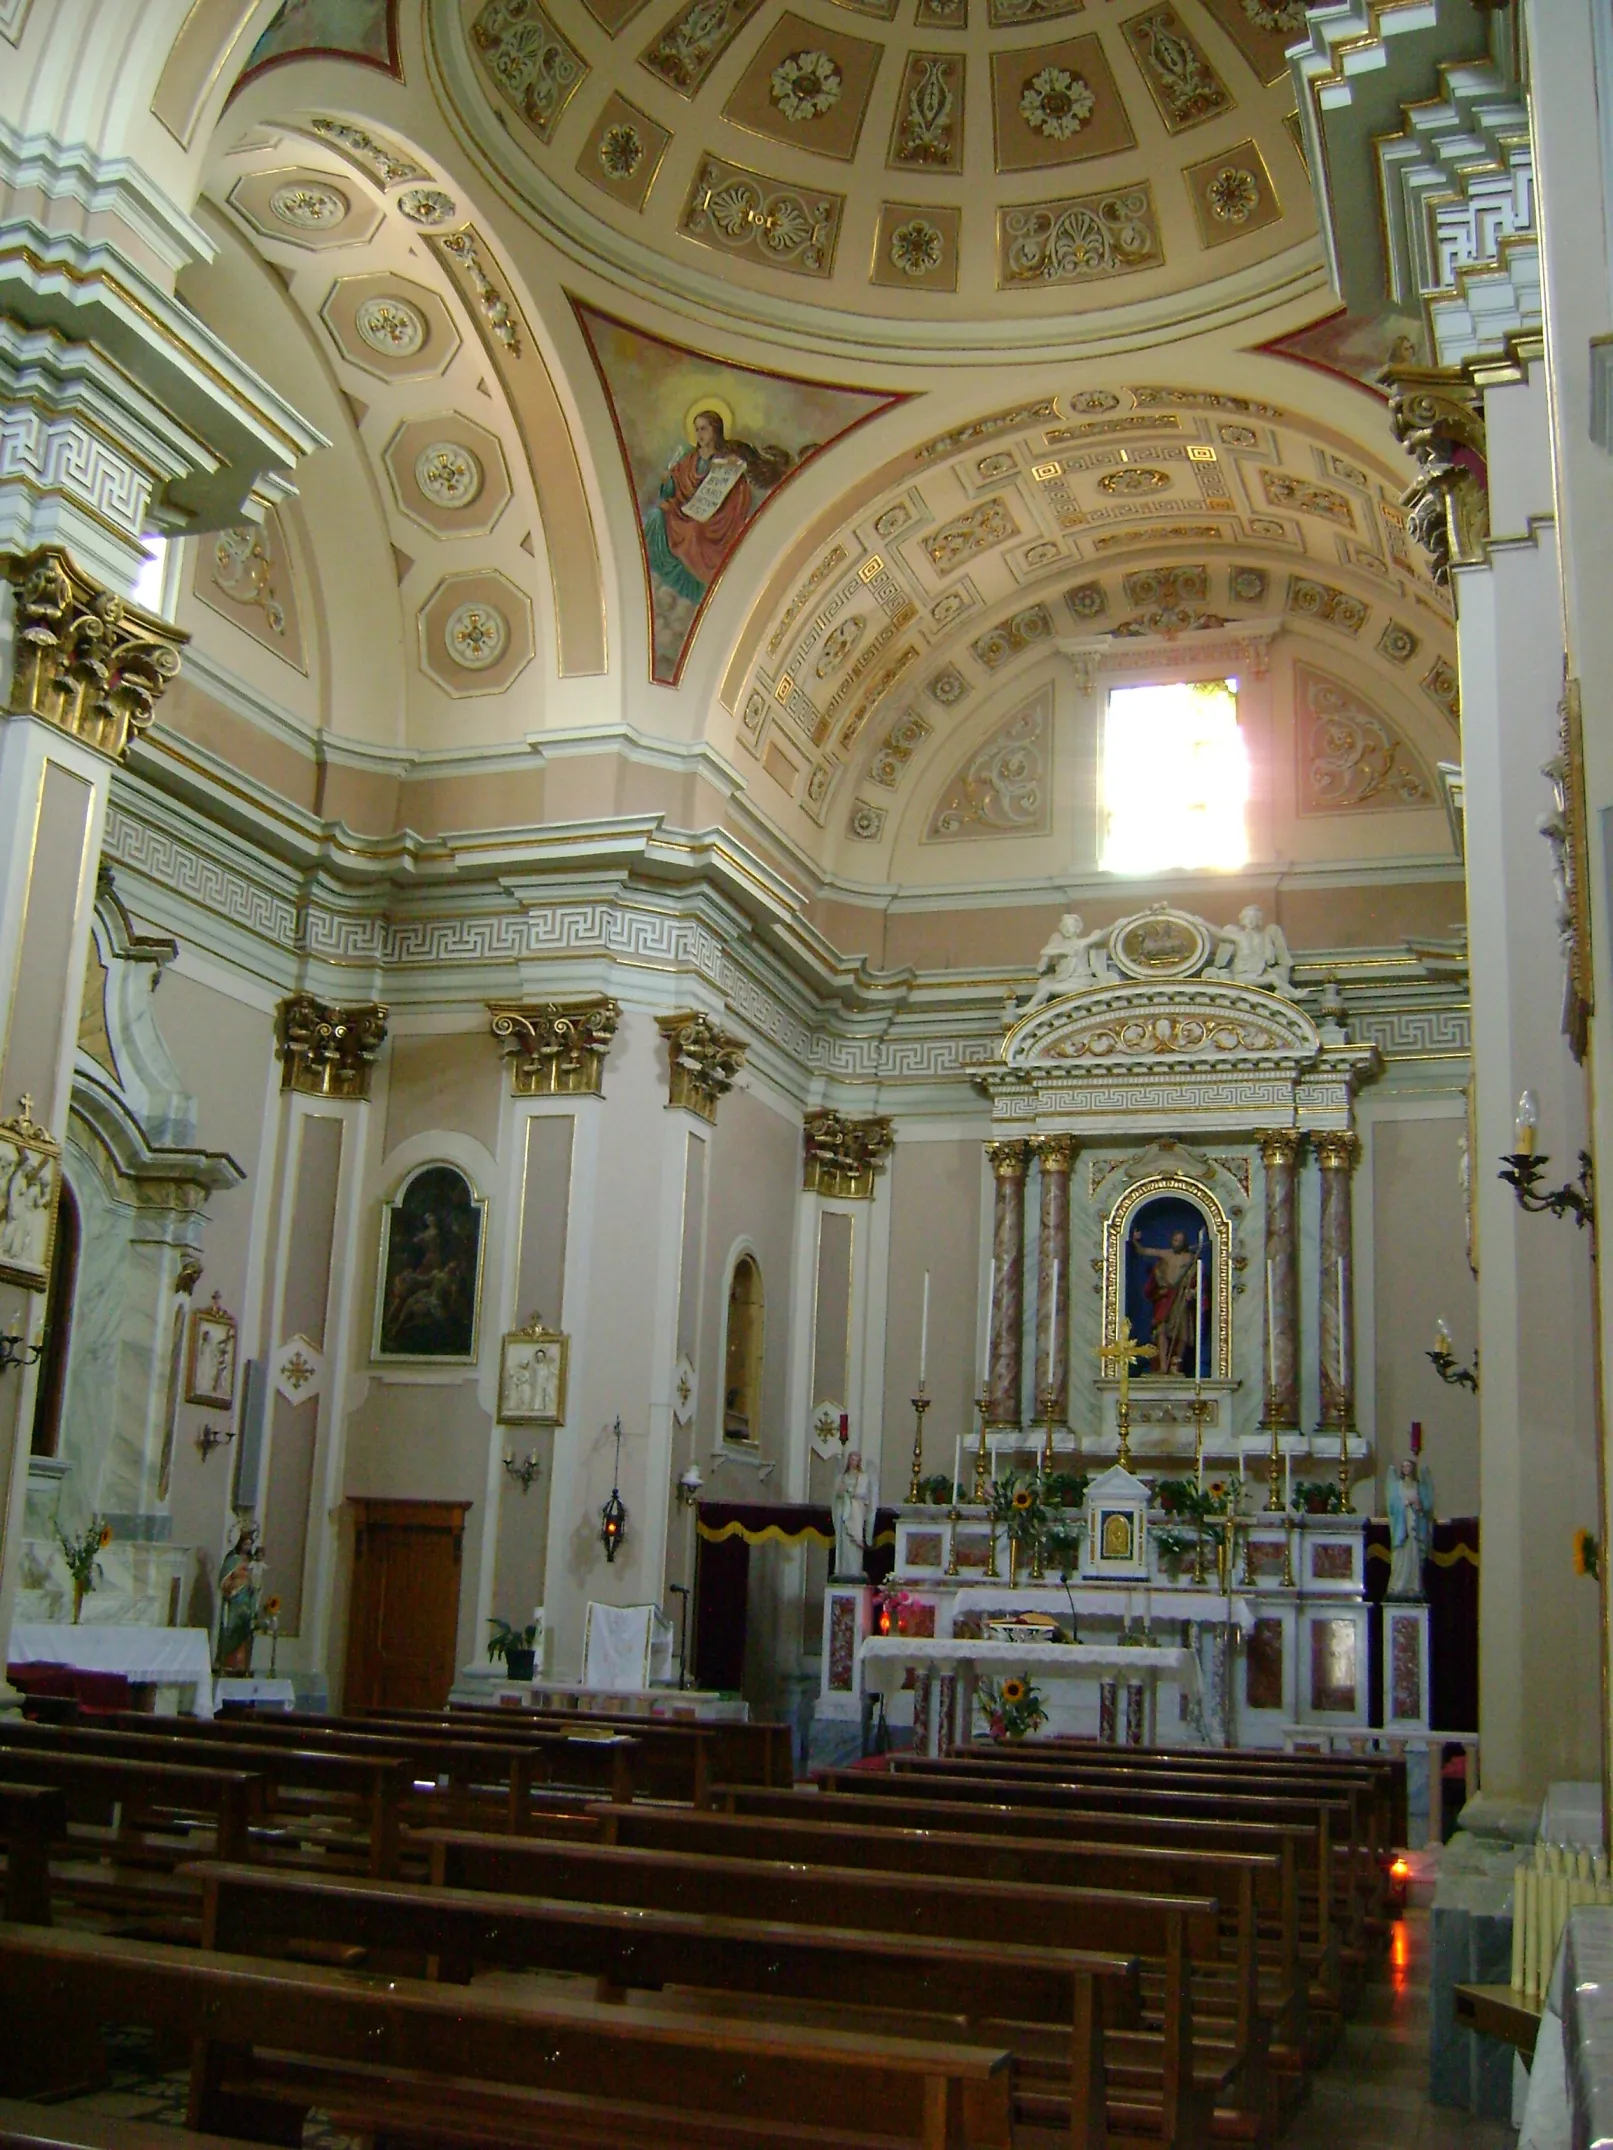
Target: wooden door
[(404, 1606)]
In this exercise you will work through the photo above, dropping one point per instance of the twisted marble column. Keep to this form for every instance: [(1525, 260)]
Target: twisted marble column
[(1336, 1154), (1008, 1162), (1279, 1286), (1056, 1154)]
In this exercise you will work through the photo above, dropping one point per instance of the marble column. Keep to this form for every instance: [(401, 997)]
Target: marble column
[(1336, 1154), (1056, 1155), (1008, 1162), (1279, 1284)]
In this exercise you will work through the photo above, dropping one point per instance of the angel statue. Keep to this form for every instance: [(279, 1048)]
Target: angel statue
[(1411, 1526), (1253, 953), (1072, 959)]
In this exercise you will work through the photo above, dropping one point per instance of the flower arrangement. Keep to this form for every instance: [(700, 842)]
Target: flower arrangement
[(1587, 1554), (1223, 1495), (1016, 1504), (1174, 1547), (898, 1612), (82, 1555), (266, 1621), (514, 1645), (1318, 1496), (1066, 1489), (1013, 1708), (936, 1490)]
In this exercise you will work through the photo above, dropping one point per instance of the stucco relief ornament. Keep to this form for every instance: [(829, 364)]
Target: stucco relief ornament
[(1278, 16), (1233, 195), (1134, 478), (243, 570), (307, 207), (427, 205), (391, 326), (916, 247), (621, 151), (476, 635), (448, 474), (1056, 103), (805, 85)]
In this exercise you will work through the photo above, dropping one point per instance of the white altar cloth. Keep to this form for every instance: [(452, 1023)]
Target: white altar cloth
[(887, 1659), (150, 1656)]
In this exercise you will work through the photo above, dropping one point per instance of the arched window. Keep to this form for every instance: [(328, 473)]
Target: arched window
[(52, 1389), (742, 1365)]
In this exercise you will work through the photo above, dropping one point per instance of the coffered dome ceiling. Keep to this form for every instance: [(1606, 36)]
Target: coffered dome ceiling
[(924, 163)]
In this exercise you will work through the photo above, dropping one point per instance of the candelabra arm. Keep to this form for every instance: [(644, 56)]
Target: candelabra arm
[(1523, 1173)]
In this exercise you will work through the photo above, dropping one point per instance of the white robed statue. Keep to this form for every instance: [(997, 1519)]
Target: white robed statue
[(852, 1507), (1072, 959), (1411, 1526)]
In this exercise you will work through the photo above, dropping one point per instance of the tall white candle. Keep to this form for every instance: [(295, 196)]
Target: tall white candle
[(1053, 1322), (924, 1330), (957, 1472), (1288, 1482), (1198, 1311)]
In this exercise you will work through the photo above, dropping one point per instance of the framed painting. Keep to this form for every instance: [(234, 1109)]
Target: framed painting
[(532, 1376), (30, 1188), (428, 1287), (210, 1363)]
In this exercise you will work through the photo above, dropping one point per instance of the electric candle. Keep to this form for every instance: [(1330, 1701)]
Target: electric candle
[(1198, 1315), (1524, 1127), (957, 1472)]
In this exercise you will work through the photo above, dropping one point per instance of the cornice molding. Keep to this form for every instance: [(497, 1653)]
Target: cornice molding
[(103, 186)]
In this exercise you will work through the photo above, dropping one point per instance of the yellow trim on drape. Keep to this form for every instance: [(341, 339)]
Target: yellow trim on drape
[(1440, 1560), (774, 1533)]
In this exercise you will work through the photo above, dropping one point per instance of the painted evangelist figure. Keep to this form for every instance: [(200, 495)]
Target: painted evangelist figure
[(703, 503), (706, 447)]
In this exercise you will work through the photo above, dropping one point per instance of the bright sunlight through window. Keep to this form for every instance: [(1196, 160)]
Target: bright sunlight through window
[(1175, 778), (147, 591)]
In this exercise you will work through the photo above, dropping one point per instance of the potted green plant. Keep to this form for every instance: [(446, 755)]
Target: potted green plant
[(514, 1646), (82, 1555)]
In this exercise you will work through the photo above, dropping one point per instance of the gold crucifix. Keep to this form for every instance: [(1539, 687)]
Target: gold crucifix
[(1121, 1352)]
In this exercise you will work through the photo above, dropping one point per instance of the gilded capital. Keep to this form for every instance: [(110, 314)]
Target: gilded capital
[(557, 1048), (1008, 1160), (1279, 1146), (702, 1061), (1057, 1152), (842, 1156), (87, 660), (1437, 415), (1336, 1151), (327, 1051)]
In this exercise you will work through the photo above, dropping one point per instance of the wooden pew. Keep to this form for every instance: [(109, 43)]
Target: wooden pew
[(26, 2126), (1174, 1933), (250, 1909), (304, 1787), (884, 1801), (447, 2064), (32, 1817), (1247, 1885), (757, 1751), (516, 1767)]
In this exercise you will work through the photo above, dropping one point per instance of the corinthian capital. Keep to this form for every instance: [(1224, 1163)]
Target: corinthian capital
[(87, 660), (327, 1051)]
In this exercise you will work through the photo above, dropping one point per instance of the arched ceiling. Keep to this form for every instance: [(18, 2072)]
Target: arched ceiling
[(944, 169)]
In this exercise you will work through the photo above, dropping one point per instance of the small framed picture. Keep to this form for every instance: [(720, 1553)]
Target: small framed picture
[(30, 1187), (532, 1376), (210, 1363)]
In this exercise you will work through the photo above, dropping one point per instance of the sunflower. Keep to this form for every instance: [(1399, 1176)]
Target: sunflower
[(1587, 1554), (1013, 1692), (1022, 1499), (271, 1607), (105, 1538)]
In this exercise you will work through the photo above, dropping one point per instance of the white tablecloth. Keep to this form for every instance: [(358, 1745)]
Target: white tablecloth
[(152, 1656), (262, 1694), (886, 1660)]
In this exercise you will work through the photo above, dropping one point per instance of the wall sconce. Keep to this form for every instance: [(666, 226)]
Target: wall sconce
[(689, 1485), (14, 1352), (210, 1438), (1523, 1171), (613, 1516), (1443, 1360), (522, 1473)]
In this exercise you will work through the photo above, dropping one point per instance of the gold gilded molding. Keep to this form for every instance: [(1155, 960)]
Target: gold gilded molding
[(702, 1061), (843, 1156), (326, 1051), (557, 1048), (1564, 830), (1437, 415), (87, 660), (1117, 1232), (1279, 1146)]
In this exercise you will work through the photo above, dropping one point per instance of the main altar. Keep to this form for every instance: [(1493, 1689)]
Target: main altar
[(1154, 1516)]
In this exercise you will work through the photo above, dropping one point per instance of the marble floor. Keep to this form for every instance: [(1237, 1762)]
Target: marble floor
[(1373, 2093)]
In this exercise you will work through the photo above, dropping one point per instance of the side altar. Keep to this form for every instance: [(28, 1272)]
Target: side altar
[(1163, 1475)]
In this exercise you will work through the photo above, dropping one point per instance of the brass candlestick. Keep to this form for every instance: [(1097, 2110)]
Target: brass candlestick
[(1198, 1551), (1201, 1411), (921, 1404), (1248, 1576), (1275, 1504), (982, 1461), (1049, 1402), (954, 1518), (1123, 1417), (1344, 1469), (991, 1554), (1288, 1552)]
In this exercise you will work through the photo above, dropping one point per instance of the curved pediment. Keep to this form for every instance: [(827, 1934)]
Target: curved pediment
[(1188, 1021)]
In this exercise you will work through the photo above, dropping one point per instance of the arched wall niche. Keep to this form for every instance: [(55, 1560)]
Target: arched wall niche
[(744, 1347)]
